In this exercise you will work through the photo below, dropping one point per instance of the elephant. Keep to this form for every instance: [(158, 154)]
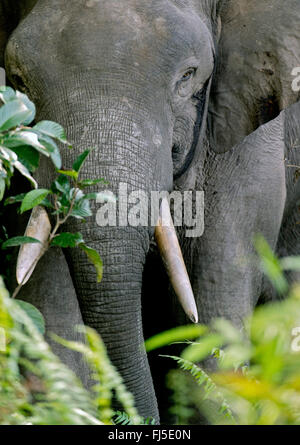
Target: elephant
[(186, 95)]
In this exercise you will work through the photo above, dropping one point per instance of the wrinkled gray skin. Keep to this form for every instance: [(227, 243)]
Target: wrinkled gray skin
[(111, 72)]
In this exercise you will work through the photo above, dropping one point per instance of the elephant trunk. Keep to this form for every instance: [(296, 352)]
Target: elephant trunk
[(113, 307), (124, 141), (131, 147)]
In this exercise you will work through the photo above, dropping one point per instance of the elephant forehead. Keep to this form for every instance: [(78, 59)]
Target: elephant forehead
[(139, 22), (86, 31), (124, 14)]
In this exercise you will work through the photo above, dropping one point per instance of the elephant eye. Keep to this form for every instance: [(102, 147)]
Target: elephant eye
[(188, 74)]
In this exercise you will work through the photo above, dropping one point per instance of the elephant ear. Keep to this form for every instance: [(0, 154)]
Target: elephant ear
[(258, 50), (210, 12)]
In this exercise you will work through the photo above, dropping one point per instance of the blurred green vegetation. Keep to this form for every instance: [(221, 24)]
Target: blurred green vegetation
[(37, 389), (256, 380)]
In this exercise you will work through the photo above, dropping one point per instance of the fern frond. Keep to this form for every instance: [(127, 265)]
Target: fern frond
[(204, 380), (149, 421), (122, 418)]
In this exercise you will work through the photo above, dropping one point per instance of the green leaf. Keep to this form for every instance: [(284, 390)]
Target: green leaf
[(7, 94), (19, 241), (70, 173), (181, 333), (2, 188), (8, 155), (25, 138), (12, 114), (149, 421), (30, 105), (14, 199), (122, 418), (28, 156), (52, 149), (61, 185), (80, 160), (95, 258), (290, 263), (34, 314), (82, 211), (51, 129), (67, 239), (235, 356), (33, 199), (271, 265), (81, 207), (90, 182), (229, 332), (23, 170), (3, 173), (47, 203), (202, 349), (91, 195)]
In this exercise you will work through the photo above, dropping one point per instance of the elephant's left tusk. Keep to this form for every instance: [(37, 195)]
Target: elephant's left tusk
[(38, 227), (170, 251)]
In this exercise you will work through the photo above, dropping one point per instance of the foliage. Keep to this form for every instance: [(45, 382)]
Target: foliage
[(21, 145), (68, 200), (122, 418), (256, 381), (36, 388), (20, 148), (34, 314), (188, 332), (210, 388)]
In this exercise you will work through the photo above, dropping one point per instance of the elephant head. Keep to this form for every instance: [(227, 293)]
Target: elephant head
[(132, 78)]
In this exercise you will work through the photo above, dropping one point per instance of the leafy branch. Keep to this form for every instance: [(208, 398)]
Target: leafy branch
[(20, 148), (21, 145)]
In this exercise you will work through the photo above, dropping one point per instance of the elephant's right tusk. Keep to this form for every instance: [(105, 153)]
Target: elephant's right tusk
[(170, 251), (38, 227)]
